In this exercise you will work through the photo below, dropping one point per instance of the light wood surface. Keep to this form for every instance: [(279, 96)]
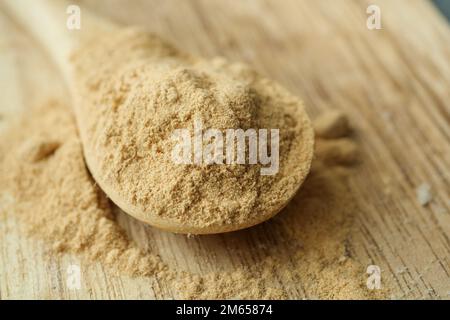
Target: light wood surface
[(394, 83)]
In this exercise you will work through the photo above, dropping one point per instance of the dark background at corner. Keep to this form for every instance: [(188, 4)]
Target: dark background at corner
[(444, 6)]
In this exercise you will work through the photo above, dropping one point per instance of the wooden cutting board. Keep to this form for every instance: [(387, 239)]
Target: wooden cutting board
[(394, 83)]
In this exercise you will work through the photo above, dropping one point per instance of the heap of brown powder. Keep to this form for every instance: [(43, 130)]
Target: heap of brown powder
[(128, 102), (43, 171)]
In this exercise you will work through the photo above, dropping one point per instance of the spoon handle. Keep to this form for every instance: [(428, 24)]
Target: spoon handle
[(48, 21)]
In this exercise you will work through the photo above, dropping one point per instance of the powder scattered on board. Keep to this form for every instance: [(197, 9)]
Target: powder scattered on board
[(56, 200)]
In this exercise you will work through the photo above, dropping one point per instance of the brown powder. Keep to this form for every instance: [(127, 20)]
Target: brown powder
[(128, 102), (54, 196), (331, 125), (42, 169), (339, 151)]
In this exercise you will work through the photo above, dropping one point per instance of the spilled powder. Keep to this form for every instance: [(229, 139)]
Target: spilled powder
[(54, 196), (333, 124), (307, 255)]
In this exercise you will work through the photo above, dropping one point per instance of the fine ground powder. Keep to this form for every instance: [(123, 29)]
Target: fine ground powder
[(128, 102), (50, 191)]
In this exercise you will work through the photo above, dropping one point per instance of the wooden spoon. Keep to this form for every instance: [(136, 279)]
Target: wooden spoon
[(46, 19)]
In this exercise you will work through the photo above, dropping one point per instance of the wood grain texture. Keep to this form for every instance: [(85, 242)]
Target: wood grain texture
[(394, 84)]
